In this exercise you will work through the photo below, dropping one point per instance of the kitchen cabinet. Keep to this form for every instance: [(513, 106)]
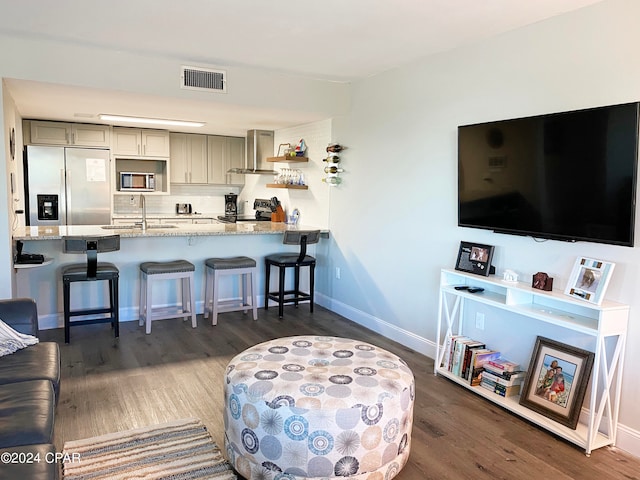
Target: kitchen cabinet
[(72, 134), (188, 158), (140, 142), (224, 153)]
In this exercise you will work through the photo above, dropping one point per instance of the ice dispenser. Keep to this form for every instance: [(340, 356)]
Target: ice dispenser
[(47, 207)]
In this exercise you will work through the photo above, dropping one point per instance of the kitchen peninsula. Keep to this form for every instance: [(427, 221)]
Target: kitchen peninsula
[(160, 242)]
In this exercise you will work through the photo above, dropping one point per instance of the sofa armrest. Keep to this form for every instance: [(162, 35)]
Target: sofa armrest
[(20, 314)]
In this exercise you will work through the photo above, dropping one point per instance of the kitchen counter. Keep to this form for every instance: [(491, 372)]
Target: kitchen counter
[(157, 230), (160, 242)]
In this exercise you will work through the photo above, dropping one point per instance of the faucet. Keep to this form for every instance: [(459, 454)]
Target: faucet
[(143, 205)]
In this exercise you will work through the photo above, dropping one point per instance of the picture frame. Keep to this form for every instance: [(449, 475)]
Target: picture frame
[(557, 380), (589, 279), (475, 258)]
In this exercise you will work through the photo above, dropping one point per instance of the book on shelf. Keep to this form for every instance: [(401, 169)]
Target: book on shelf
[(468, 351), (505, 391), (503, 365), (447, 356), (506, 381), (479, 358), (457, 349), (505, 375)]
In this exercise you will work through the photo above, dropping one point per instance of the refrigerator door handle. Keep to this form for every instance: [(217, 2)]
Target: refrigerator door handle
[(64, 207)]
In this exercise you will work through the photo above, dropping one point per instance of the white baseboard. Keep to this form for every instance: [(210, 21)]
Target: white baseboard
[(627, 440)]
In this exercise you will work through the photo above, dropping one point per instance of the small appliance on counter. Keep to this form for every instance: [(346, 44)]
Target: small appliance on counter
[(263, 208), (183, 208)]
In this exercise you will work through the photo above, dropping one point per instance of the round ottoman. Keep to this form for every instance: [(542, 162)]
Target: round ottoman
[(312, 407)]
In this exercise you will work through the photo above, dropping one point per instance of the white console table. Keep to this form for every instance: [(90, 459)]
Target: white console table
[(607, 323)]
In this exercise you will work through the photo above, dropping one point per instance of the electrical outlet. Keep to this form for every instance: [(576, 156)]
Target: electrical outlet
[(338, 273), (480, 321)]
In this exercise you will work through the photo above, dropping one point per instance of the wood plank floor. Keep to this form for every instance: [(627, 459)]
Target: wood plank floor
[(112, 384)]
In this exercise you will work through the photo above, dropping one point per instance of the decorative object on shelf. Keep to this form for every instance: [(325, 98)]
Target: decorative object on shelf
[(301, 147), (589, 279), (542, 281), (286, 150), (475, 258), (556, 381), (332, 169), (510, 276)]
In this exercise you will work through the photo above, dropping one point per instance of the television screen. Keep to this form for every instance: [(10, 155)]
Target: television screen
[(565, 176)]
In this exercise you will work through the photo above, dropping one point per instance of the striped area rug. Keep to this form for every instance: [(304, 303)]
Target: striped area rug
[(182, 449)]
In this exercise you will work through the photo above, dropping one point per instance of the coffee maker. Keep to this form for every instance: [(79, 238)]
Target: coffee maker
[(230, 205)]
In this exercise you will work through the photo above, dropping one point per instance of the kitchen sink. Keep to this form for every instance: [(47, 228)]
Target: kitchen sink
[(136, 227)]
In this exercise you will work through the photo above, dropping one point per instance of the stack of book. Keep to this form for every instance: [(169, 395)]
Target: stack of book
[(465, 357), (502, 377)]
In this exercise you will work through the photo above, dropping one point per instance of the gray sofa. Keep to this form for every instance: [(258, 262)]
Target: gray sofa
[(29, 388)]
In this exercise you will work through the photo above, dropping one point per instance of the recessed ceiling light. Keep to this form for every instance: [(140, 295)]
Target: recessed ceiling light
[(149, 121)]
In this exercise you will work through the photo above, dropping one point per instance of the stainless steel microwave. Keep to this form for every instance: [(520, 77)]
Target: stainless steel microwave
[(137, 182)]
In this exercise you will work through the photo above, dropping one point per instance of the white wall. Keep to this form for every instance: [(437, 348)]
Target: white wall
[(394, 219)]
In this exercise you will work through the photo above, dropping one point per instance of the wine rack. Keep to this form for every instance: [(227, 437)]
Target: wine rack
[(333, 167)]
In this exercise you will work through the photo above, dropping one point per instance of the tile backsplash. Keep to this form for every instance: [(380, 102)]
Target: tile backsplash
[(206, 199)]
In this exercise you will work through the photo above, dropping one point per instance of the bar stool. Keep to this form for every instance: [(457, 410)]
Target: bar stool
[(174, 270), (295, 260), (89, 272), (217, 267)]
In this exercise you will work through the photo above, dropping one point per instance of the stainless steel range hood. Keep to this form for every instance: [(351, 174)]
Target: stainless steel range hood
[(259, 148)]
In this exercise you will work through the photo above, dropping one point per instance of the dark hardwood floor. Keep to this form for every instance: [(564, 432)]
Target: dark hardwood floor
[(176, 372)]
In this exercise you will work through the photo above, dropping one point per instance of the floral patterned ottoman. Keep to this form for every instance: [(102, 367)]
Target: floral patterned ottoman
[(313, 407)]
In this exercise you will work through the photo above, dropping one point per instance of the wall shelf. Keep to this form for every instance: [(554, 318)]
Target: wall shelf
[(288, 159), (284, 185)]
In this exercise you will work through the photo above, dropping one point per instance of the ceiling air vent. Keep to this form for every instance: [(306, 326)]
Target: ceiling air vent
[(197, 78)]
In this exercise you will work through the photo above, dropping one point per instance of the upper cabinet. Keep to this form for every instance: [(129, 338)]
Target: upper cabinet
[(75, 134), (140, 142), (224, 153), (188, 158)]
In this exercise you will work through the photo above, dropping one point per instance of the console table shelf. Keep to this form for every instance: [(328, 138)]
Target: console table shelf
[(607, 323)]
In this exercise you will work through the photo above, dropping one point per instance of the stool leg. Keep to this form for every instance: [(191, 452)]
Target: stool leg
[(192, 300), (66, 295), (141, 305), (115, 307), (207, 291), (312, 268), (148, 307), (254, 301), (215, 299), (281, 292), (244, 284), (296, 284), (266, 284)]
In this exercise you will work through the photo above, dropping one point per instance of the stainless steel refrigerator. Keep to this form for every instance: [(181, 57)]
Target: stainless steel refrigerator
[(67, 186)]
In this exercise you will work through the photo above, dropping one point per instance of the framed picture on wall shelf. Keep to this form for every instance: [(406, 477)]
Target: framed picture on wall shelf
[(475, 258), (557, 380), (589, 279)]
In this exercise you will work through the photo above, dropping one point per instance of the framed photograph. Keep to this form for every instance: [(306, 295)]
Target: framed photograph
[(589, 279), (475, 258), (557, 380)]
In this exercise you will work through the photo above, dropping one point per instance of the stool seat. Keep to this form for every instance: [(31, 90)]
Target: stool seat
[(78, 271), (290, 259), (171, 270), (215, 268), (175, 266), (230, 263)]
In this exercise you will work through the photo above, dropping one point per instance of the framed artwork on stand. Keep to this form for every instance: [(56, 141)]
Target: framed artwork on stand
[(589, 279), (475, 258), (557, 380)]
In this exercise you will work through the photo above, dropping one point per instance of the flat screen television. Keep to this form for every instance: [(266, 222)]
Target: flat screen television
[(564, 176)]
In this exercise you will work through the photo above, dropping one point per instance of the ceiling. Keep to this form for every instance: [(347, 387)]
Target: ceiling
[(336, 40)]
